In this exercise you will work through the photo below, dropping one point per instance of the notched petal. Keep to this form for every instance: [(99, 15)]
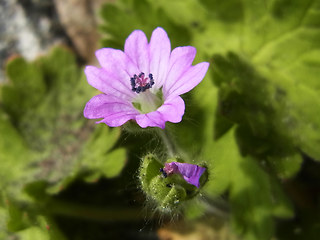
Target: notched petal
[(160, 48), (181, 59), (136, 48), (108, 83), (152, 119), (101, 106), (191, 78), (173, 109)]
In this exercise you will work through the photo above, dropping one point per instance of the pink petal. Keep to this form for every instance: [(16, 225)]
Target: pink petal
[(152, 119), (117, 62), (190, 172), (102, 106), (117, 119), (180, 61), (160, 48), (191, 78), (136, 47), (108, 83), (172, 110)]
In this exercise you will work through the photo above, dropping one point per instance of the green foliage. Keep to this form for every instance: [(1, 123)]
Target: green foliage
[(122, 17), (260, 108), (255, 197), (51, 128), (13, 149), (270, 66), (46, 142)]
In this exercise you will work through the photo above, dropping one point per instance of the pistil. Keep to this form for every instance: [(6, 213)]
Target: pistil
[(145, 101), (140, 83)]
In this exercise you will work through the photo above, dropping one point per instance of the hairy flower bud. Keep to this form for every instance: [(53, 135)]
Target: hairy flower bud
[(169, 190)]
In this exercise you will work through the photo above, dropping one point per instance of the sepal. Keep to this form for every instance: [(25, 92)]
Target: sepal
[(168, 193)]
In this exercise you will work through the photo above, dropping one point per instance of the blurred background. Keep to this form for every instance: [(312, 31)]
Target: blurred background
[(254, 121)]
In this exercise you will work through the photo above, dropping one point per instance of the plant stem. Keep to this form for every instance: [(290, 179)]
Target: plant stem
[(167, 141)]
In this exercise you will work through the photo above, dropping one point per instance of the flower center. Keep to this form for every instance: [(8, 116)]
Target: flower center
[(145, 101), (140, 83)]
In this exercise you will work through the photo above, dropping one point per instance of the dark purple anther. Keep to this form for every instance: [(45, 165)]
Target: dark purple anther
[(164, 174), (140, 83)]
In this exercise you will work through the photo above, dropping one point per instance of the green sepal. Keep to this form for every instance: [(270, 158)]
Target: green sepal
[(149, 169), (167, 192)]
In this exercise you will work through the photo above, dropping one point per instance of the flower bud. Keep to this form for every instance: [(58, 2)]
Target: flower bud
[(170, 184)]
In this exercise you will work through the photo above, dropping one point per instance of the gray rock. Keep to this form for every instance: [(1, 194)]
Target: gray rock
[(27, 28)]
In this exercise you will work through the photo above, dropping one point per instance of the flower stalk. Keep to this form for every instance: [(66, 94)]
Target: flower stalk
[(168, 142)]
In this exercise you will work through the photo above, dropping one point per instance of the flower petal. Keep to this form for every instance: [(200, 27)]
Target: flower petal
[(159, 48), (117, 119), (190, 172), (108, 83), (191, 78), (181, 59), (152, 119), (103, 105), (117, 62), (113, 111), (172, 110), (136, 47)]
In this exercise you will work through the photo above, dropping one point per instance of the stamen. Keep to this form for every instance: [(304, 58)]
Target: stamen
[(140, 83), (164, 174)]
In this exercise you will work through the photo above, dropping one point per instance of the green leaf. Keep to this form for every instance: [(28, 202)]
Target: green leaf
[(108, 165), (273, 69), (274, 119), (114, 163), (37, 190), (46, 230), (51, 140), (25, 79), (98, 156), (282, 205), (286, 167), (224, 157), (198, 121), (123, 17), (18, 218), (101, 141), (34, 233), (251, 201), (194, 210), (14, 153), (187, 12), (255, 197)]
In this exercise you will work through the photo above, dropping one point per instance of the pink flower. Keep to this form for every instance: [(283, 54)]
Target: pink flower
[(144, 82), (190, 172)]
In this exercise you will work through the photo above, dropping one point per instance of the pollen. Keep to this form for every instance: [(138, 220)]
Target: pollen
[(140, 83)]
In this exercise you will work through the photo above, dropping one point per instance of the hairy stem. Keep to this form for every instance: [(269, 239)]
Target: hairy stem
[(167, 141)]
